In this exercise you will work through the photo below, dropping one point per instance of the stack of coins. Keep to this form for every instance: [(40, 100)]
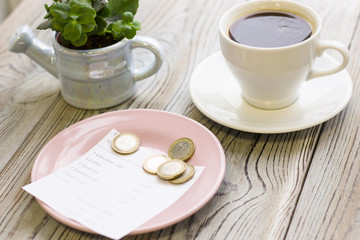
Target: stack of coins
[(151, 164), (172, 167)]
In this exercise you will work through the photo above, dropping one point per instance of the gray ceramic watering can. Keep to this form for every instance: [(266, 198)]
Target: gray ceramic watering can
[(90, 79)]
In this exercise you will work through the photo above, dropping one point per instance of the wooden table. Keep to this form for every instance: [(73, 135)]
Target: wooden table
[(298, 185)]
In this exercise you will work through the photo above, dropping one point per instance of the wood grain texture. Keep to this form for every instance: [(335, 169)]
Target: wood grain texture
[(330, 201), (300, 185)]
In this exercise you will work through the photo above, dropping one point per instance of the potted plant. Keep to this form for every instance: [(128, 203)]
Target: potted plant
[(90, 24), (91, 52)]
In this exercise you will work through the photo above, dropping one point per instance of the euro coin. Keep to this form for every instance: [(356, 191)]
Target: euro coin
[(171, 169), (186, 176), (126, 143), (152, 163), (182, 149)]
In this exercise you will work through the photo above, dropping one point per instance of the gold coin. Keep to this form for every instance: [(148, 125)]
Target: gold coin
[(182, 149), (151, 164), (126, 143), (171, 169), (186, 176)]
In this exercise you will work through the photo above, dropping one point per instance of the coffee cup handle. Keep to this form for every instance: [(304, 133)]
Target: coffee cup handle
[(339, 47), (153, 46)]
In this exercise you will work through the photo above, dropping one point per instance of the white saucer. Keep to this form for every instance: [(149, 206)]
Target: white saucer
[(216, 94)]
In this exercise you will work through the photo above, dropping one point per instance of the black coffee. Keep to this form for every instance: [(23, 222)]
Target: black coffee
[(270, 29)]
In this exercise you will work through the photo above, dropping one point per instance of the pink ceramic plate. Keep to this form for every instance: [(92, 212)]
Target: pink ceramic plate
[(157, 129)]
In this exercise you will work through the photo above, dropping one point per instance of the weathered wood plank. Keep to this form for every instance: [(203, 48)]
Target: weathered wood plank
[(26, 91), (329, 204)]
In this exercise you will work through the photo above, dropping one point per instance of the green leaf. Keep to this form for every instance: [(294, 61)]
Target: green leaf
[(88, 27), (80, 2), (127, 17), (119, 26), (56, 25), (81, 41), (82, 13), (136, 25), (48, 14), (104, 12), (44, 25), (125, 27), (129, 32), (101, 25), (118, 7), (116, 29), (72, 31), (86, 15), (60, 11)]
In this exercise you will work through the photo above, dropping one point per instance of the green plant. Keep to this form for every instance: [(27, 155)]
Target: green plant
[(80, 20)]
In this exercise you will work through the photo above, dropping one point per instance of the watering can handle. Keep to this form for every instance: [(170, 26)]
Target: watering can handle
[(153, 46)]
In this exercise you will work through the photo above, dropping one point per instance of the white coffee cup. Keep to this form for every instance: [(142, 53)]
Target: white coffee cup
[(271, 78)]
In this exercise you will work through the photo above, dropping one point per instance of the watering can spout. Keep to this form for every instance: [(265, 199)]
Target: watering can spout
[(23, 41)]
